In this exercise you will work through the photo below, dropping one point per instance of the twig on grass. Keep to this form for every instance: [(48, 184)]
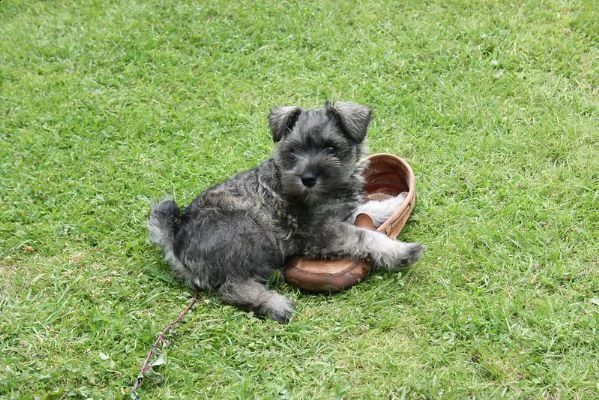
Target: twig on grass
[(155, 352)]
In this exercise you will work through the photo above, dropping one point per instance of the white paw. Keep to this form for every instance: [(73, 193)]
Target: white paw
[(403, 255)]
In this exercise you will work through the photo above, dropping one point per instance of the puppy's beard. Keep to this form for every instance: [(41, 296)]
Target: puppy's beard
[(314, 195)]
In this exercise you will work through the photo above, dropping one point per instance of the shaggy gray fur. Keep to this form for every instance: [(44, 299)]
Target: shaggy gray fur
[(299, 202)]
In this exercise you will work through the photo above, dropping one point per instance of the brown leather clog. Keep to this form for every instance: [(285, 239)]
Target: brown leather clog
[(387, 175)]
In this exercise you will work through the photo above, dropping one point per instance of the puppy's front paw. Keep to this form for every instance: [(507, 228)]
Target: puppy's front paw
[(404, 254), (413, 253)]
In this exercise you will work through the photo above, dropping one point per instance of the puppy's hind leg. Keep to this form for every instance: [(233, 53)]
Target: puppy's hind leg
[(252, 295)]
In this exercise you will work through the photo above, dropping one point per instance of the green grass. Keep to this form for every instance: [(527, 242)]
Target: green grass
[(107, 105)]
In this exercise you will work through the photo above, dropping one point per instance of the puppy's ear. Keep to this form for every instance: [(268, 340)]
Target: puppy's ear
[(282, 120), (352, 118)]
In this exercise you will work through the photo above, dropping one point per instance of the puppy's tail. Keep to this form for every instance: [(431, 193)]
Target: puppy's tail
[(162, 223)]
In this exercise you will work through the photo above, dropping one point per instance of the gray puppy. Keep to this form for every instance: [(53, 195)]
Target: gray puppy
[(302, 201)]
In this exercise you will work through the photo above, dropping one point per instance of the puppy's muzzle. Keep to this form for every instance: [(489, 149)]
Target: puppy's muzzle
[(309, 179)]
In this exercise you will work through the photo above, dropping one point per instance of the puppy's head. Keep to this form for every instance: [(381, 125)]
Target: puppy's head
[(317, 150)]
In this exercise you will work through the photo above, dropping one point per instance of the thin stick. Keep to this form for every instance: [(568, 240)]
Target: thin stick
[(146, 366)]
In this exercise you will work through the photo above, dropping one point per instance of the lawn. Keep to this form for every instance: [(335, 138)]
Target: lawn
[(106, 106)]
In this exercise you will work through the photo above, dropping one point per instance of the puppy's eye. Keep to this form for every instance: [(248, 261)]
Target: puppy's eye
[(330, 150)]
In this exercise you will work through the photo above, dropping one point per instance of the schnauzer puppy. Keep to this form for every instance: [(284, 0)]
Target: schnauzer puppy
[(302, 201)]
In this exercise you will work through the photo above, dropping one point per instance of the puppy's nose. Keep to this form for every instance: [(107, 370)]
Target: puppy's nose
[(309, 179)]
